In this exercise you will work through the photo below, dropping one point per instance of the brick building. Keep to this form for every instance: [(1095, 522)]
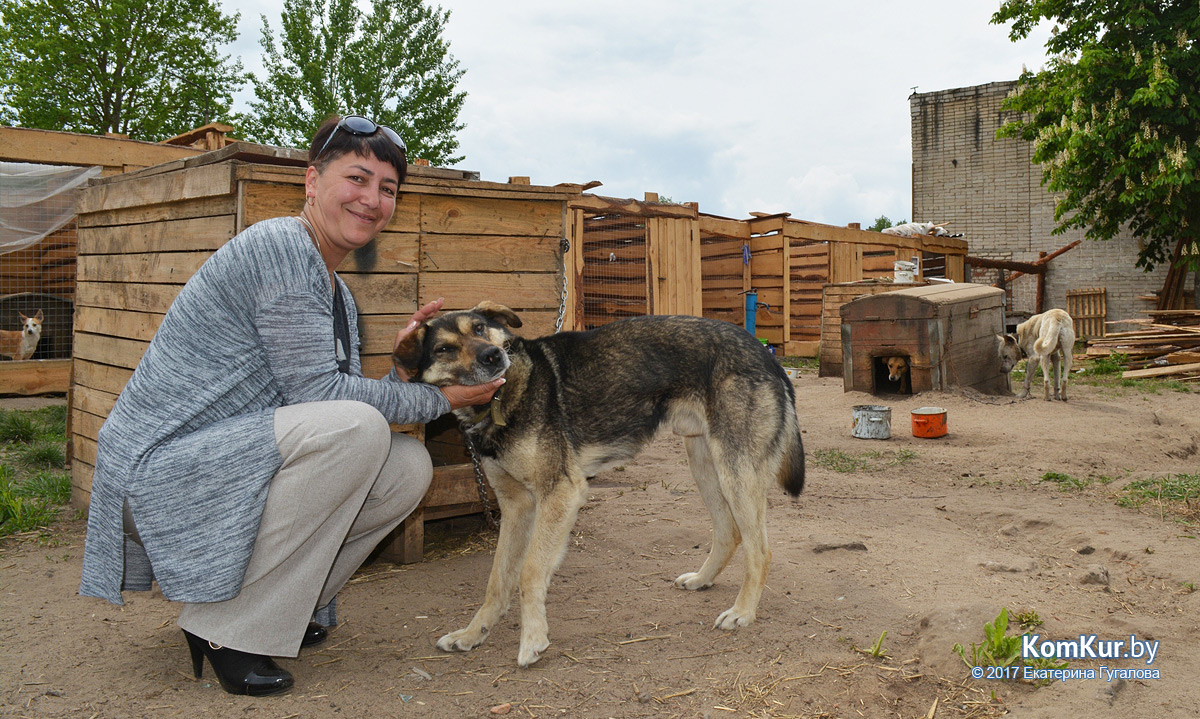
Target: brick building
[(989, 190)]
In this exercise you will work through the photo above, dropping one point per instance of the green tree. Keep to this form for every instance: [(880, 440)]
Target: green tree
[(883, 222), (149, 69), (391, 65), (1113, 117)]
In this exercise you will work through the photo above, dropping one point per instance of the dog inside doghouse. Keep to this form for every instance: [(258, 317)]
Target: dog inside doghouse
[(892, 373)]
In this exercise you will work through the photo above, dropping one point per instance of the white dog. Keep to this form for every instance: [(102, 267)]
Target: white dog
[(1046, 339)]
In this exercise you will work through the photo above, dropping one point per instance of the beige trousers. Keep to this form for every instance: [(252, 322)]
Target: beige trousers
[(346, 481)]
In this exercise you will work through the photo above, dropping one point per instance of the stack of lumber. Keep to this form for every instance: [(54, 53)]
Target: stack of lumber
[(1166, 345)]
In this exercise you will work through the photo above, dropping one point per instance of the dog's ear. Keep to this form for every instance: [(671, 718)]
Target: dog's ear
[(38, 317), (23, 317), (407, 355), (498, 313)]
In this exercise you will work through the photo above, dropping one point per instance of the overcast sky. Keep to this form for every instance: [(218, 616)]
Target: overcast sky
[(776, 106)]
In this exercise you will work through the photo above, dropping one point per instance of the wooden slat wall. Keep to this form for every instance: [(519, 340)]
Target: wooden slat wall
[(142, 236), (1089, 309)]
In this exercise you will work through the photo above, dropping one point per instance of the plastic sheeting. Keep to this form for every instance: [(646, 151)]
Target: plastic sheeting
[(36, 200)]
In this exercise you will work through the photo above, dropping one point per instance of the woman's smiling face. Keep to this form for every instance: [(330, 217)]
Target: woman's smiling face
[(355, 197)]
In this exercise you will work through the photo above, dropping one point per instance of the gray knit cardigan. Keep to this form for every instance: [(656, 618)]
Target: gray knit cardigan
[(191, 442)]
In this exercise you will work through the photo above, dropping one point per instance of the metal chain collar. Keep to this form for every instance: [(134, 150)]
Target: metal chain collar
[(489, 514)]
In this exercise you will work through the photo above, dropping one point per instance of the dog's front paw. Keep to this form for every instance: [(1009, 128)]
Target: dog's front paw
[(732, 618), (692, 581), (531, 650), (463, 640)]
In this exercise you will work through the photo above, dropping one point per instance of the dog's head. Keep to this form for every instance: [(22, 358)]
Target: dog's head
[(464, 347), (897, 366), (31, 326), (1009, 350)]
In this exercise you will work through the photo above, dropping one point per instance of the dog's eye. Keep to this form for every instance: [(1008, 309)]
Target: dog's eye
[(479, 329), (443, 349)]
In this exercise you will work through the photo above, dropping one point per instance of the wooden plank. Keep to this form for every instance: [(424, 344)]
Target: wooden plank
[(1161, 371), (518, 290), (104, 378), (199, 233), (113, 351), (126, 296), (476, 216), (489, 253), (30, 377), (92, 401), (376, 293), (117, 323), (189, 184), (81, 484), (69, 148), (203, 207), (150, 267)]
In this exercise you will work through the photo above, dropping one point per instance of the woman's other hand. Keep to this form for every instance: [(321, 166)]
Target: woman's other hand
[(470, 395)]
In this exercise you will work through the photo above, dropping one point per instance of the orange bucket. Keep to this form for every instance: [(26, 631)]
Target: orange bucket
[(929, 422)]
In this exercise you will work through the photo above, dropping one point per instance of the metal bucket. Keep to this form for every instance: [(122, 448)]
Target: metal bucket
[(871, 421), (929, 422)]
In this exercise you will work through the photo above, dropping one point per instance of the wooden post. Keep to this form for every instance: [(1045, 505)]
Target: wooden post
[(1041, 286)]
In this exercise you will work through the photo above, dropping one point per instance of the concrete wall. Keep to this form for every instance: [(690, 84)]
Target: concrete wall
[(988, 189)]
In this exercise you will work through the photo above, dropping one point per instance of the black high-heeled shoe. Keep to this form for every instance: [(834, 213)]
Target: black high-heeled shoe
[(239, 672), (314, 634)]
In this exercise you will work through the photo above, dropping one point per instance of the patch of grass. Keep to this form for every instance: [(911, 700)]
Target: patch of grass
[(802, 362), (43, 454), (32, 446), (22, 509), (1176, 495), (869, 461), (1113, 364), (18, 427), (52, 487), (1066, 482)]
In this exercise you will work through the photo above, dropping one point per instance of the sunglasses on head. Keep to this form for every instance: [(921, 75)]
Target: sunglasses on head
[(364, 127)]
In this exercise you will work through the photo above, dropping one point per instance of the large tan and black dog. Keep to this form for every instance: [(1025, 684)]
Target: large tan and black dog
[(576, 403)]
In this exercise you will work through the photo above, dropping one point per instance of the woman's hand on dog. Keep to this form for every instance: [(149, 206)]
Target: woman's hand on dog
[(470, 395), (419, 317)]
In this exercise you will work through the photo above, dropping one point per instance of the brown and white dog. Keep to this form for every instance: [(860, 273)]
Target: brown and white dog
[(20, 344), (898, 372), (1048, 340)]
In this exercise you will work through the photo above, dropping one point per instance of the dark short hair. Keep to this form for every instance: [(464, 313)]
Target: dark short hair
[(377, 145)]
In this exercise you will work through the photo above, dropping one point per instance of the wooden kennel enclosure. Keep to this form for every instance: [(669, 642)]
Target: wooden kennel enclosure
[(649, 257), (947, 332), (143, 234)]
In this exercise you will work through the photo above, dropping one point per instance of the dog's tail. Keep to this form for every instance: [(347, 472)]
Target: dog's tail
[(1048, 338), (791, 468)]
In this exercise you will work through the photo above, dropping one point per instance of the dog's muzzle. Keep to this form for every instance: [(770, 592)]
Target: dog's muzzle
[(491, 362)]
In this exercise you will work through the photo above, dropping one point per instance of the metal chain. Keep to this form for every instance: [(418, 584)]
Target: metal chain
[(489, 514)]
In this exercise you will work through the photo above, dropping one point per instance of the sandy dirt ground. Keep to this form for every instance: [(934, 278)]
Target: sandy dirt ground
[(924, 539)]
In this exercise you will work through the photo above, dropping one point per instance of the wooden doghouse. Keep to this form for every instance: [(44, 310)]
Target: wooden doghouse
[(947, 332), (143, 234)]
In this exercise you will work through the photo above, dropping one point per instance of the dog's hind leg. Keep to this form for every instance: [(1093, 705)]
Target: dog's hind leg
[(746, 494), (517, 513), (725, 531), (557, 508)]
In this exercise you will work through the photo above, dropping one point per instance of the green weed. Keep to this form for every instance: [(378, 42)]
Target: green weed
[(1066, 482), (1000, 650), (1177, 494)]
